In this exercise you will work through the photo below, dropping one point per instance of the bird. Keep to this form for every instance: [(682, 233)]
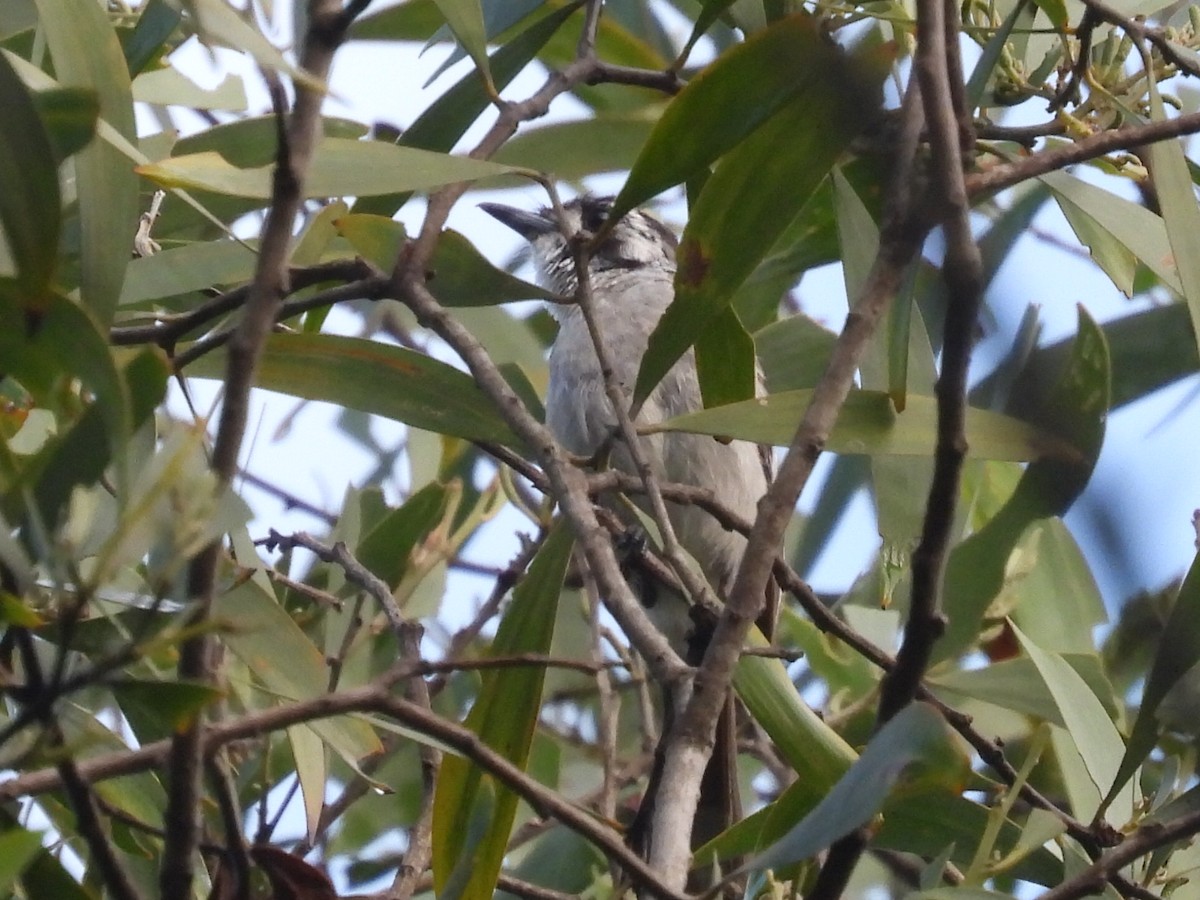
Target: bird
[(631, 274)]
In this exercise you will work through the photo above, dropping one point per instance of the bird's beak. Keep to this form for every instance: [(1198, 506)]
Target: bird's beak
[(528, 225)]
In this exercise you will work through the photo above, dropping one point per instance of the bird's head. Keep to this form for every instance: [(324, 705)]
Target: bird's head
[(638, 240)]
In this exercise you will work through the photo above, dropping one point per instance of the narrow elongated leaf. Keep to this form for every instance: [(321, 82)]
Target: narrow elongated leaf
[(170, 87), (341, 168), (1075, 411), (446, 120), (1015, 684), (70, 116), (1150, 350), (732, 98), (1048, 562), (492, 18), (869, 424), (156, 23), (607, 142), (187, 268), (1181, 214), (460, 276), (87, 54), (917, 732), (793, 352), (287, 664), (817, 753), (386, 548), (756, 192), (365, 375), (465, 18), (504, 716), (219, 23), (30, 211), (1095, 735), (1111, 225), (17, 850), (1178, 652), (725, 361)]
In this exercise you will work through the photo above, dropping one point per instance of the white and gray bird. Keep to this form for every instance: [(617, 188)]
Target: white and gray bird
[(632, 283), (631, 275)]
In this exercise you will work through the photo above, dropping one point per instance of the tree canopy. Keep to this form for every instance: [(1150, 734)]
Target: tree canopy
[(201, 704)]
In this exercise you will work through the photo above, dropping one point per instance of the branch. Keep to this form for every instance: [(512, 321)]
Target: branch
[(1138, 30), (1130, 137), (939, 78), (166, 330), (372, 288), (87, 818), (328, 22), (963, 274), (376, 697), (1147, 838)]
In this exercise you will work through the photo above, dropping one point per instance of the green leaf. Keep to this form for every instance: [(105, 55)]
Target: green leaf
[(756, 191), (918, 732), (220, 24), (732, 98), (1150, 350), (868, 424), (1015, 684), (386, 549), (504, 715), (162, 708), (926, 823), (376, 378), (993, 50), (156, 23), (1094, 734), (465, 18), (30, 211), (341, 168), (66, 341), (70, 116), (87, 54), (170, 87), (446, 120), (606, 142), (793, 352), (43, 873), (1178, 652), (17, 850), (83, 452), (725, 361), (1115, 230), (1047, 562), (710, 11), (187, 268), (460, 276), (312, 771), (1181, 215), (1075, 410), (260, 633), (813, 749)]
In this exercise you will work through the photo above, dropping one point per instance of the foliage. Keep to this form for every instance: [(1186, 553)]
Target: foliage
[(176, 672)]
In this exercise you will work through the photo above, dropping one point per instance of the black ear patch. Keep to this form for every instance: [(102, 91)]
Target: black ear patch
[(593, 212)]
